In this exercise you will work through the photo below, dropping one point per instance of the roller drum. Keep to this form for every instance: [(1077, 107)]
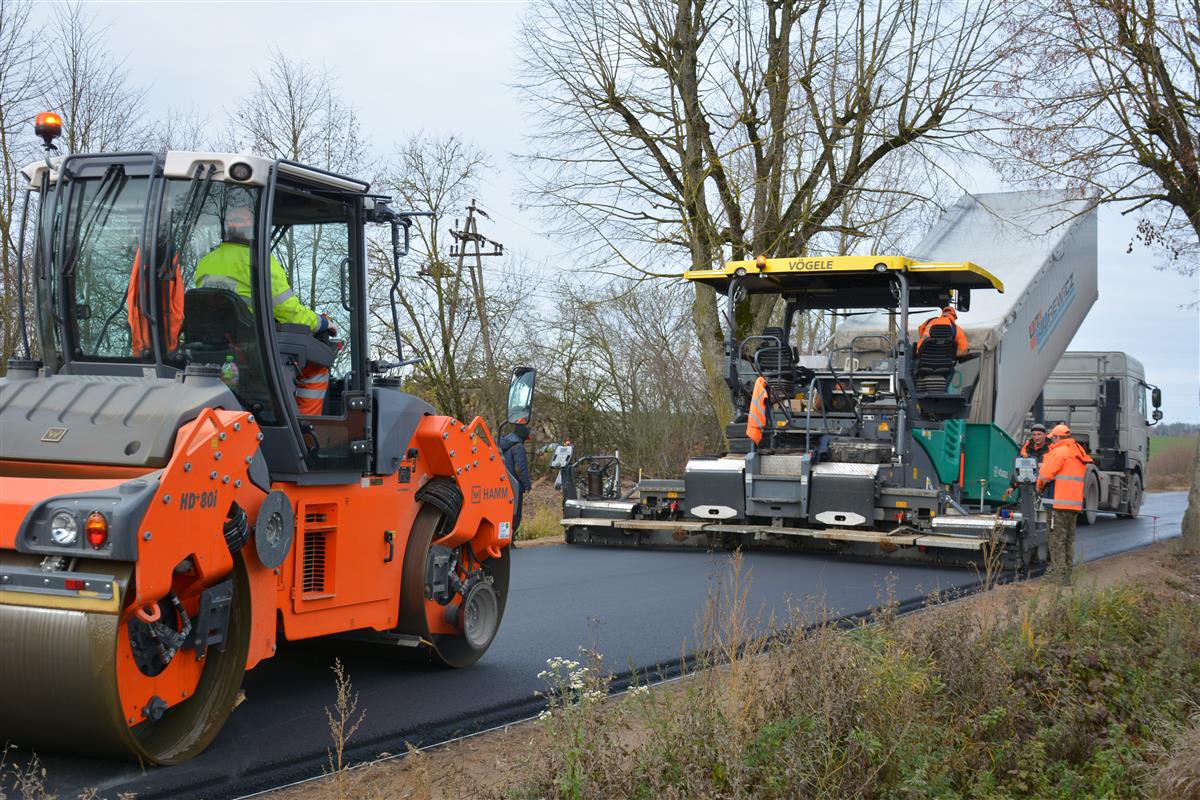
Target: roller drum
[(59, 684), (58, 689)]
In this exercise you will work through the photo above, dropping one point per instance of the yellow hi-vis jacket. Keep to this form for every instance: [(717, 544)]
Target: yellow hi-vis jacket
[(228, 267)]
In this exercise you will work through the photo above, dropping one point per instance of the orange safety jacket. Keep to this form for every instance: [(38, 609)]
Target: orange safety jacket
[(960, 338), (1065, 465), (139, 326), (756, 420)]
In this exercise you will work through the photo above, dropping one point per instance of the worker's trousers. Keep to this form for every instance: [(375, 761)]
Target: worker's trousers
[(1062, 543), (311, 385)]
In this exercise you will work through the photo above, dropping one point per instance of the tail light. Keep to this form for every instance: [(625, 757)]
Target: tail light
[(96, 530)]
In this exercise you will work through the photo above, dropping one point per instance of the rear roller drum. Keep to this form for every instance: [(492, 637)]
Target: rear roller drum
[(459, 614)]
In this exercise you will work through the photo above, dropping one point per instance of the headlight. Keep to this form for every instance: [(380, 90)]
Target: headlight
[(64, 529)]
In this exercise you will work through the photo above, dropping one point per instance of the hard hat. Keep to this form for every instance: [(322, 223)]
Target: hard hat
[(1060, 430), (950, 311), (1037, 426)]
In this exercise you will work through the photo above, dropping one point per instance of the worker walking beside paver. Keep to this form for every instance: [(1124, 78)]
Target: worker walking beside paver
[(1065, 467)]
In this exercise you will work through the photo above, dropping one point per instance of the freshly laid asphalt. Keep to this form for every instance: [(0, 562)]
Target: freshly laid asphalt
[(638, 608)]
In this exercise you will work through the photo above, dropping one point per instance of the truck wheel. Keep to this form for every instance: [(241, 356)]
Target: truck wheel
[(1136, 495), (1091, 499)]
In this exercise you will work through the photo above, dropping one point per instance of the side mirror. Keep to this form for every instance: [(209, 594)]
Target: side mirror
[(962, 300), (1156, 399), (1157, 415), (520, 395)]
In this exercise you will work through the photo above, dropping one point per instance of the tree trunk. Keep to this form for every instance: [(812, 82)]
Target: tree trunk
[(1191, 517), (707, 322)]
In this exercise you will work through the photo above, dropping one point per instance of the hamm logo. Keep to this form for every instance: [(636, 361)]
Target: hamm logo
[(479, 494)]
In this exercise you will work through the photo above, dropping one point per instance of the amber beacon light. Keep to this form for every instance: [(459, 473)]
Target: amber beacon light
[(48, 125)]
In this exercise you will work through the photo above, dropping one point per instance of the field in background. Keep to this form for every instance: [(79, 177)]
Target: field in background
[(1172, 463)]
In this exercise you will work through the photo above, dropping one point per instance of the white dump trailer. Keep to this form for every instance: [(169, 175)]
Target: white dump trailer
[(1042, 245)]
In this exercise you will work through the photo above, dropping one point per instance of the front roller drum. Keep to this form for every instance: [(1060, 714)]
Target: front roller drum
[(474, 617), (61, 673)]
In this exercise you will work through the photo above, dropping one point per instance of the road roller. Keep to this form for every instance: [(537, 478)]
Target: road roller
[(204, 454)]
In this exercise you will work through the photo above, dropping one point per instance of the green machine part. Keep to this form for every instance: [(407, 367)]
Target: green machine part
[(987, 456)]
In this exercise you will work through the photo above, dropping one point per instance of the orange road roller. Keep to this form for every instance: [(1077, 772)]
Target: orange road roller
[(204, 458)]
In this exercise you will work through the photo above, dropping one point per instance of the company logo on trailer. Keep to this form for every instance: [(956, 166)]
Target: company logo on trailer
[(1046, 321)]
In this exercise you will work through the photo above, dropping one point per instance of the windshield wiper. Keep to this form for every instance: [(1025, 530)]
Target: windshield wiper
[(101, 205), (181, 232)]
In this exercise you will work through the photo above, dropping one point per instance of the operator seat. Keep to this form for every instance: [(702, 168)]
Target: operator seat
[(216, 323), (935, 363), (775, 361), (936, 360)]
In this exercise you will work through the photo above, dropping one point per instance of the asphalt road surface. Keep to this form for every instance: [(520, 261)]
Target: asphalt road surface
[(638, 608)]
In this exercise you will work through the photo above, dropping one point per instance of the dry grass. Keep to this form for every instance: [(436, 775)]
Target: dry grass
[(1076, 694), (542, 512), (1172, 463)]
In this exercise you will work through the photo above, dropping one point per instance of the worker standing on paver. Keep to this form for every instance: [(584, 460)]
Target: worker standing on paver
[(1065, 466), (949, 316), (1035, 447)]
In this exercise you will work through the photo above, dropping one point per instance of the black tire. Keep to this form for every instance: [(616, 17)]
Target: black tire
[(449, 650), (1136, 495), (1091, 499)]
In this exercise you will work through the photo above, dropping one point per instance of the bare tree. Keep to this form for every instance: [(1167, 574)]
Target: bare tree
[(1109, 101), (686, 130), (20, 89), (441, 307), (296, 112), (101, 109), (616, 374)]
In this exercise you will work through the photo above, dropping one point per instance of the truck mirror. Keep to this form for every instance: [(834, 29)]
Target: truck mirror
[(520, 395), (1157, 415), (962, 300), (1156, 399)]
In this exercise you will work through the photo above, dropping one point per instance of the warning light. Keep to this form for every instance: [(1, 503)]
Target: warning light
[(48, 125), (761, 262), (96, 530), (73, 583)]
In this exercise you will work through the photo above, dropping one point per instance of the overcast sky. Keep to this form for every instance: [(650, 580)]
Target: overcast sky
[(446, 67)]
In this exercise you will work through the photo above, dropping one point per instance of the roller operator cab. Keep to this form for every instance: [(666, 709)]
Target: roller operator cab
[(865, 449), (167, 513)]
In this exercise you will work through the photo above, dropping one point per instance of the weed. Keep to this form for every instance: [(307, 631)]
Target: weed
[(344, 721)]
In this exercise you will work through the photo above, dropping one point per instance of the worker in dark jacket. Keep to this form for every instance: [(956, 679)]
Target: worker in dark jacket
[(512, 447), (1035, 447), (949, 316), (1065, 468)]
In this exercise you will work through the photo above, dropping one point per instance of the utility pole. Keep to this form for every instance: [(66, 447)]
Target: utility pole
[(470, 242)]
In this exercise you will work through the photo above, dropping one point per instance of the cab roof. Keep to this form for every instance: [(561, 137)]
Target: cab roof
[(848, 281), (183, 164)]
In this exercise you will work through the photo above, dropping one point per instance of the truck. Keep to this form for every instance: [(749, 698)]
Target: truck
[(1102, 397)]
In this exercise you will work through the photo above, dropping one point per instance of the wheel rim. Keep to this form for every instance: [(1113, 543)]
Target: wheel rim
[(480, 615)]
